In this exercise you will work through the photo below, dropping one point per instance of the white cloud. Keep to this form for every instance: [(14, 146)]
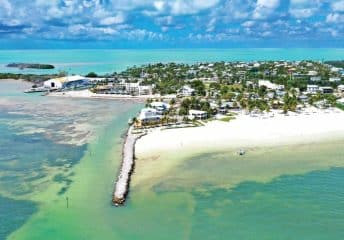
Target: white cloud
[(248, 24), (302, 12), (181, 7), (211, 25), (304, 8), (5, 7), (264, 8), (266, 34), (335, 18), (338, 6), (142, 34), (214, 20), (159, 5), (118, 19)]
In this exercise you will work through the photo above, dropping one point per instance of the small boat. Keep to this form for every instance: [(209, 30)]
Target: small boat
[(130, 121), (241, 152)]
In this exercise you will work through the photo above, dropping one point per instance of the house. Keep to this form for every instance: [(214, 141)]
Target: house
[(148, 116), (335, 69), (322, 104), (312, 73), (280, 93), (334, 79), (270, 95), (326, 90), (223, 109), (197, 114), (67, 82), (270, 85), (313, 89), (186, 91), (230, 105), (161, 107), (315, 79), (303, 98), (341, 88)]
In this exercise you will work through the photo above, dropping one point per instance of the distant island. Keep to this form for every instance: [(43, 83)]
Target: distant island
[(30, 65)]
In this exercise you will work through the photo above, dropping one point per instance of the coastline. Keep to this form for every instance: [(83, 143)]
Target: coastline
[(88, 94), (274, 129), (191, 158)]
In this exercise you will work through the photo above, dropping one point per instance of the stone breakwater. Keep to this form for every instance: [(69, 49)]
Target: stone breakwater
[(128, 163)]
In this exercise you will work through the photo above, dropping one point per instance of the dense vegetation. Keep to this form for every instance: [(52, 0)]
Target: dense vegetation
[(338, 64), (31, 65), (34, 78)]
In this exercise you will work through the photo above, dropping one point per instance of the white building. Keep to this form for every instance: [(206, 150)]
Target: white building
[(335, 69), (326, 89), (197, 114), (341, 88), (270, 85), (149, 115), (315, 79), (186, 91), (135, 88), (161, 107), (313, 89), (65, 82), (334, 79), (312, 73)]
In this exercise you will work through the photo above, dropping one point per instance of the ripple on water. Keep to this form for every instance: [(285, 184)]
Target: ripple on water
[(309, 206)]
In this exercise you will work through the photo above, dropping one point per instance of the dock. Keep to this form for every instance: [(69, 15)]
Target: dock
[(128, 162)]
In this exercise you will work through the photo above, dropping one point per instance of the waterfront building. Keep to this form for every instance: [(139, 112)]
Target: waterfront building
[(148, 116), (197, 114), (68, 82), (161, 107), (133, 88)]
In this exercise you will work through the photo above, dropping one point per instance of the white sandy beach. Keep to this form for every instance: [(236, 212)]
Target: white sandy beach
[(312, 125)]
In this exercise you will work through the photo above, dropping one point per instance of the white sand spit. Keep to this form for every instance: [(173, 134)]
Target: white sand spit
[(273, 129)]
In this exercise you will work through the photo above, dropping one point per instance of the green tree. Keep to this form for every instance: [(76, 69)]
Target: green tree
[(92, 75)]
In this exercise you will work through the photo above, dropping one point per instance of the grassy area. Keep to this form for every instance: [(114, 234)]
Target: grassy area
[(340, 106), (227, 119)]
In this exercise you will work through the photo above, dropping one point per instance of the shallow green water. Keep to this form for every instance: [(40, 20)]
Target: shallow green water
[(279, 193)]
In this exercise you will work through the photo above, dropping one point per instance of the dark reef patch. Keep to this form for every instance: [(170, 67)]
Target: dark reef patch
[(13, 214)]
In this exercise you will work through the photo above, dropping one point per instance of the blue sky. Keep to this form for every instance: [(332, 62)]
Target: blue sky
[(171, 23)]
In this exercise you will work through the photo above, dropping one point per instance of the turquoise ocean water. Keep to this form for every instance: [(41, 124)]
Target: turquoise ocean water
[(53, 148), (108, 61)]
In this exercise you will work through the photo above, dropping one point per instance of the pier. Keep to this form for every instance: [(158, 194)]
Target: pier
[(128, 162)]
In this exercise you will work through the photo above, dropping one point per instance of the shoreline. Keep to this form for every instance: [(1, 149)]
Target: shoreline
[(264, 130), (87, 94)]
